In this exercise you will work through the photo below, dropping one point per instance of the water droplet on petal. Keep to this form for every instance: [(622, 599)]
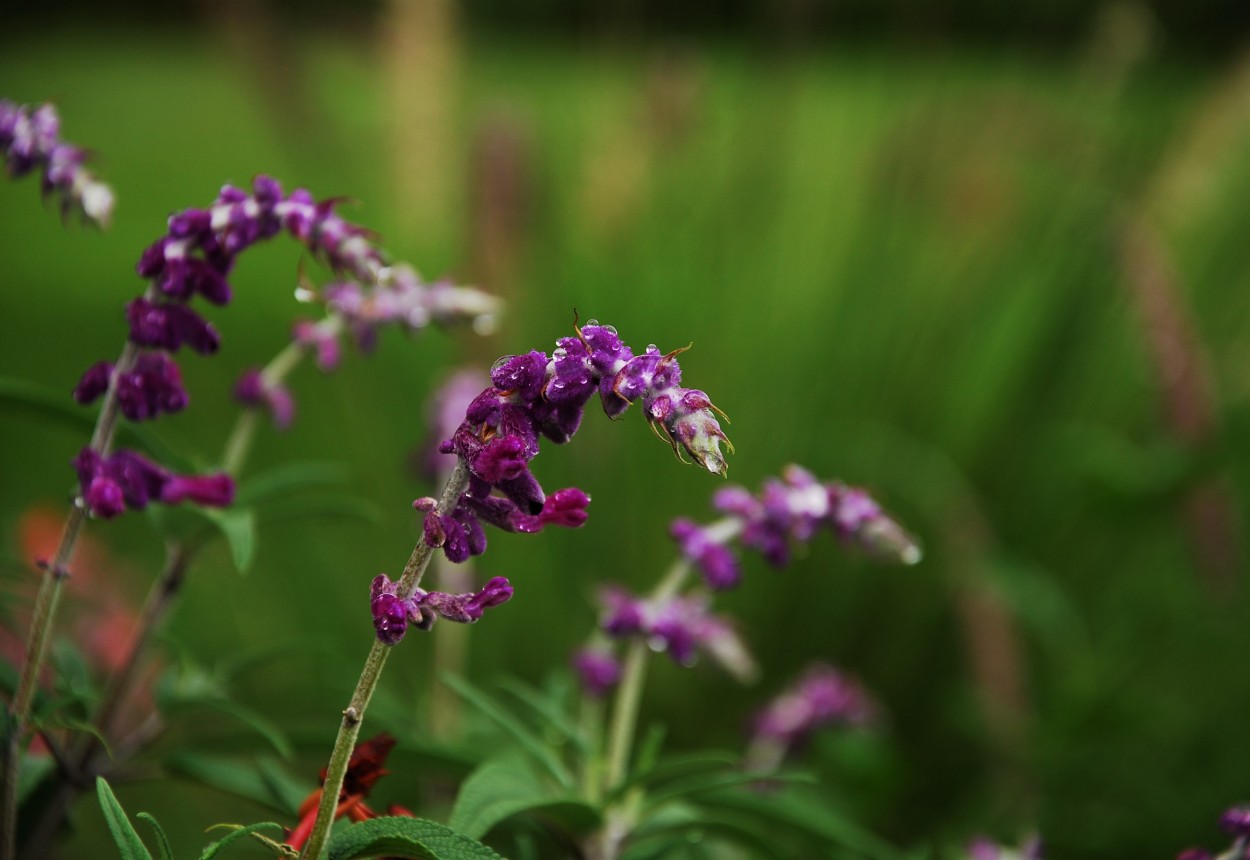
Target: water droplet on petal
[(592, 322)]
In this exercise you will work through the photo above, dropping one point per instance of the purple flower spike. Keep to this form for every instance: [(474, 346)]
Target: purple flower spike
[(702, 547), (127, 480), (822, 696), (682, 627), (31, 139), (252, 390), (598, 669)]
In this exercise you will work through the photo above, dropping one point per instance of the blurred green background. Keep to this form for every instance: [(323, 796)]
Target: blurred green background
[(992, 267)]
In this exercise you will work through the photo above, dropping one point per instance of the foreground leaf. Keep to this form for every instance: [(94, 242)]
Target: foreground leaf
[(499, 790), (162, 840), (124, 834), (406, 837), (238, 833)]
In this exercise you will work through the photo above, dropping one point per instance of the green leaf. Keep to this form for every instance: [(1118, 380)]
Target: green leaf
[(549, 710), (238, 525), (676, 767), (253, 720), (239, 832), (500, 789), (813, 816), (288, 478), (500, 715), (162, 840), (705, 783), (406, 837), (258, 782), (128, 841)]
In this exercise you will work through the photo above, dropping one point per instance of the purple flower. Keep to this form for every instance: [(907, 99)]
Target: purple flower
[(169, 326), (30, 139), (598, 669), (715, 561), (982, 848), (153, 386), (252, 390), (1236, 821), (822, 696), (535, 395), (392, 614), (680, 626), (110, 485)]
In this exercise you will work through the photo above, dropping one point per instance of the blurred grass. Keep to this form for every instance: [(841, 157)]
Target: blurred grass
[(897, 268)]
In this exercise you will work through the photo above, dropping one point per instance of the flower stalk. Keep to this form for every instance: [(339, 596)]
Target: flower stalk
[(354, 713)]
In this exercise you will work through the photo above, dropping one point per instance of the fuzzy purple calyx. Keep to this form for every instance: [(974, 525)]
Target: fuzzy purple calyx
[(94, 382), (253, 390), (715, 561), (1236, 821), (124, 479), (152, 386), (822, 696), (392, 613), (598, 670), (168, 326)]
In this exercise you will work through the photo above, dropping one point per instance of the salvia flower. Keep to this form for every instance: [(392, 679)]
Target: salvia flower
[(152, 386), (126, 480), (785, 513), (255, 391), (392, 613), (823, 696), (30, 139), (536, 395), (597, 668), (681, 626), (1236, 822)]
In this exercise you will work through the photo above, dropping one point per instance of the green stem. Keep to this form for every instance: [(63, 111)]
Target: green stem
[(239, 443), (43, 615), (354, 714)]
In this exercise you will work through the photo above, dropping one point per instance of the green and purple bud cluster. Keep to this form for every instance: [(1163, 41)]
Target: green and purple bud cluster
[(30, 140)]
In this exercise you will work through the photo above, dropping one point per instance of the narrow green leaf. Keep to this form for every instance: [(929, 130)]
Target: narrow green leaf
[(549, 710), (288, 478), (500, 789), (56, 405), (795, 810), (128, 841), (250, 718), (234, 777), (705, 783), (530, 742), (406, 837), (162, 841), (238, 833), (676, 767), (238, 525)]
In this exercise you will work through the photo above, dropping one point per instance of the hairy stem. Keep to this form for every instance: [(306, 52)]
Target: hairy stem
[(354, 714), (43, 615)]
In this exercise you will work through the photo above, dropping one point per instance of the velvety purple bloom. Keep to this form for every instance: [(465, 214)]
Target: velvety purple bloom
[(460, 534), (152, 386), (444, 413), (535, 395), (1236, 821), (30, 139), (169, 326), (110, 485), (392, 614), (598, 669), (715, 561), (322, 338), (682, 627), (94, 382), (252, 390), (823, 696), (793, 510)]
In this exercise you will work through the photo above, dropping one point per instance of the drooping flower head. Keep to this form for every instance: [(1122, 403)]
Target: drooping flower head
[(535, 396), (128, 481), (30, 140), (393, 614), (823, 696)]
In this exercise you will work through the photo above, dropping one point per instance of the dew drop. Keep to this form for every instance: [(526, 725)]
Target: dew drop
[(610, 329), (500, 362), (592, 322)]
